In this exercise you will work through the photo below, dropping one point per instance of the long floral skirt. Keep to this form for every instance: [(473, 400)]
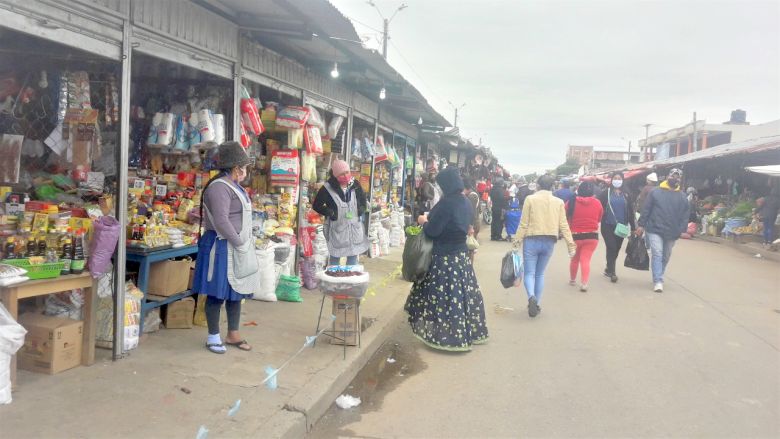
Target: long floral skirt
[(445, 308)]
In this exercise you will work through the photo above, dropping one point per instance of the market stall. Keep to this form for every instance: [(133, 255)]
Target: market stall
[(59, 137)]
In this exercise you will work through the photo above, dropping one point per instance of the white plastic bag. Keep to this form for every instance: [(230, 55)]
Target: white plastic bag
[(11, 340), (266, 287)]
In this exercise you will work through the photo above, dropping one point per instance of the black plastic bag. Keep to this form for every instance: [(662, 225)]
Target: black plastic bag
[(508, 271), (418, 251), (636, 254)]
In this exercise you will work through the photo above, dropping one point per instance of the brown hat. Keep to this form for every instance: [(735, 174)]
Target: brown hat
[(232, 154)]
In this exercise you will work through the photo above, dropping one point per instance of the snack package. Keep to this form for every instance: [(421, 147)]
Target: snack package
[(292, 117), (313, 140)]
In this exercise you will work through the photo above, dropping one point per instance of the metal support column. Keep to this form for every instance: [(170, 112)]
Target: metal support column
[(122, 190), (347, 149), (404, 174), (237, 83)]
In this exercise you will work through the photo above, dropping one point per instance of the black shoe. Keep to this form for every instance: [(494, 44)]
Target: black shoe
[(613, 278), (607, 273), (533, 307)]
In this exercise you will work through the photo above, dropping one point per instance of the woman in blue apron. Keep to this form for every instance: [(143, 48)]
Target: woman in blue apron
[(226, 269), (342, 202), (512, 220)]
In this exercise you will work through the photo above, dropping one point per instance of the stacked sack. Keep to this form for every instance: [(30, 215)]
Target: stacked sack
[(396, 228), (175, 237), (320, 250), (374, 248), (384, 241)]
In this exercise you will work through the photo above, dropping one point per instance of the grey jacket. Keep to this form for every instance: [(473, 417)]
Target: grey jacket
[(665, 213)]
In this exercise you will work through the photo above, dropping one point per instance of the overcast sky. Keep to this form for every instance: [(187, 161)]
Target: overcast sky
[(537, 76)]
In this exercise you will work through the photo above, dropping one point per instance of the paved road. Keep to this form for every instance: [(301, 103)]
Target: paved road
[(701, 359)]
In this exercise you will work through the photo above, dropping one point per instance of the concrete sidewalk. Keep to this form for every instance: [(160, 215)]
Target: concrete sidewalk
[(172, 385)]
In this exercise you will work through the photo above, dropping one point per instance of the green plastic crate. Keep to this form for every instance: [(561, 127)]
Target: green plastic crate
[(39, 271)]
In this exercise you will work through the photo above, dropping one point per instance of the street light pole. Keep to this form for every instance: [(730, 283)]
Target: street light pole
[(647, 135), (455, 123), (386, 22)]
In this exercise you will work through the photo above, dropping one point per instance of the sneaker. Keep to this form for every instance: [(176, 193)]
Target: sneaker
[(584, 288), (573, 282), (533, 307), (659, 287), (613, 278)]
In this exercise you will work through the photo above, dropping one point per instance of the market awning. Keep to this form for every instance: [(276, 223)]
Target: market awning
[(771, 170)]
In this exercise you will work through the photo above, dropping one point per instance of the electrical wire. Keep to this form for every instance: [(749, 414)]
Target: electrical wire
[(436, 95), (363, 24)]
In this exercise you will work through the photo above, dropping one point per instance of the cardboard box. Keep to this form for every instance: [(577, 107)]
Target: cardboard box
[(346, 326), (192, 275), (52, 344), (178, 315), (167, 278)]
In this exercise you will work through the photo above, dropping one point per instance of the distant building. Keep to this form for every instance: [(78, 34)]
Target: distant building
[(583, 154), (690, 138)]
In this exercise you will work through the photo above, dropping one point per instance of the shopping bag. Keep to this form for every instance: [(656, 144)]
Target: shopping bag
[(11, 339), (636, 254), (508, 270), (517, 259), (472, 243), (417, 257)]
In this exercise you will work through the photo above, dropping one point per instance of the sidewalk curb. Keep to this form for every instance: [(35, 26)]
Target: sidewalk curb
[(765, 254), (300, 414)]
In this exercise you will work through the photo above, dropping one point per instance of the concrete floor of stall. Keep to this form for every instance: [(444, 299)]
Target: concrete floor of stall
[(171, 385)]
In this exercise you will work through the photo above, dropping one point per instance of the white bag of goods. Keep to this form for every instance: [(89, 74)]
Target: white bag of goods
[(105, 319), (266, 287), (374, 250), (292, 117), (11, 340), (205, 126), (384, 242), (315, 119), (164, 126), (334, 126), (344, 281), (219, 128), (395, 236)]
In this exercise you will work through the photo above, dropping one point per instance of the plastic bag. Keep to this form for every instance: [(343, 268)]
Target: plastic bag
[(517, 259), (472, 243), (11, 340), (289, 289), (417, 257), (636, 254), (315, 118), (292, 117), (334, 126), (309, 273), (266, 286), (104, 242), (313, 140), (508, 270)]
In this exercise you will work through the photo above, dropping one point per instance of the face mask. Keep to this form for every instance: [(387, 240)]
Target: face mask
[(344, 179), (617, 183)]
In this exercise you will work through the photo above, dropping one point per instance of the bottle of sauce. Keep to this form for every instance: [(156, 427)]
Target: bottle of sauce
[(79, 262), (42, 244), (67, 256), (9, 248), (32, 246)]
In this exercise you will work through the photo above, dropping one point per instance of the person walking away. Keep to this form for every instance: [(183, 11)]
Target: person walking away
[(564, 193), (498, 197), (618, 214), (664, 217), (473, 198), (513, 214), (226, 268), (342, 202), (431, 192), (584, 214), (768, 214), (651, 183), (445, 308), (543, 220)]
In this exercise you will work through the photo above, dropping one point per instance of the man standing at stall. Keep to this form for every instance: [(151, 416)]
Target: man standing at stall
[(664, 217), (498, 197)]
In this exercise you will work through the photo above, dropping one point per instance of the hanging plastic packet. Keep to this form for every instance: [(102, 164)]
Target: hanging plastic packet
[(194, 133), (244, 139), (165, 131), (219, 128), (182, 133), (206, 126), (156, 121), (251, 117)]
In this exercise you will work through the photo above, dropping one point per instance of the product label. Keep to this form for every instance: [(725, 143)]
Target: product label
[(77, 265), (66, 265)]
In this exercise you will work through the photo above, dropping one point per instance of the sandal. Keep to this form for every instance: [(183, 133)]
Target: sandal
[(212, 347), (242, 345)]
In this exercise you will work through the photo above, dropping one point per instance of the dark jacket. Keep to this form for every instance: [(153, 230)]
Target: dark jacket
[(665, 213), (324, 204), (640, 200), (768, 211), (449, 221), (630, 215), (498, 197)]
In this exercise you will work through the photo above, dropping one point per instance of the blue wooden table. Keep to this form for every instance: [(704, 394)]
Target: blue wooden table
[(145, 261)]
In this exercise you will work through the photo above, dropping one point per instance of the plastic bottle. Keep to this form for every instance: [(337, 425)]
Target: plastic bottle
[(79, 262), (42, 244), (67, 256), (32, 246)]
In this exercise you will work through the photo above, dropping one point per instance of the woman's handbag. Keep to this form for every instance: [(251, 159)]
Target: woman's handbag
[(472, 243), (621, 230)]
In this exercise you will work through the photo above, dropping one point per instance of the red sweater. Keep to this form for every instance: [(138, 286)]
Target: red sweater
[(587, 215)]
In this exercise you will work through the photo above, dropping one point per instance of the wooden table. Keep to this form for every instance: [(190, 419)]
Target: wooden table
[(10, 297)]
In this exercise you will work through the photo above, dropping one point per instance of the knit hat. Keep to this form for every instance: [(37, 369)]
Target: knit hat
[(652, 177), (339, 167), (232, 154), (677, 172)]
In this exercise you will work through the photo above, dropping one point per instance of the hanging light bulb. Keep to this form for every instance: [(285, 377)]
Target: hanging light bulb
[(419, 121), (335, 72), (382, 94)]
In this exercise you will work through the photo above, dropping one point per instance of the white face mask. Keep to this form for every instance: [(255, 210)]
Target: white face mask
[(617, 183)]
